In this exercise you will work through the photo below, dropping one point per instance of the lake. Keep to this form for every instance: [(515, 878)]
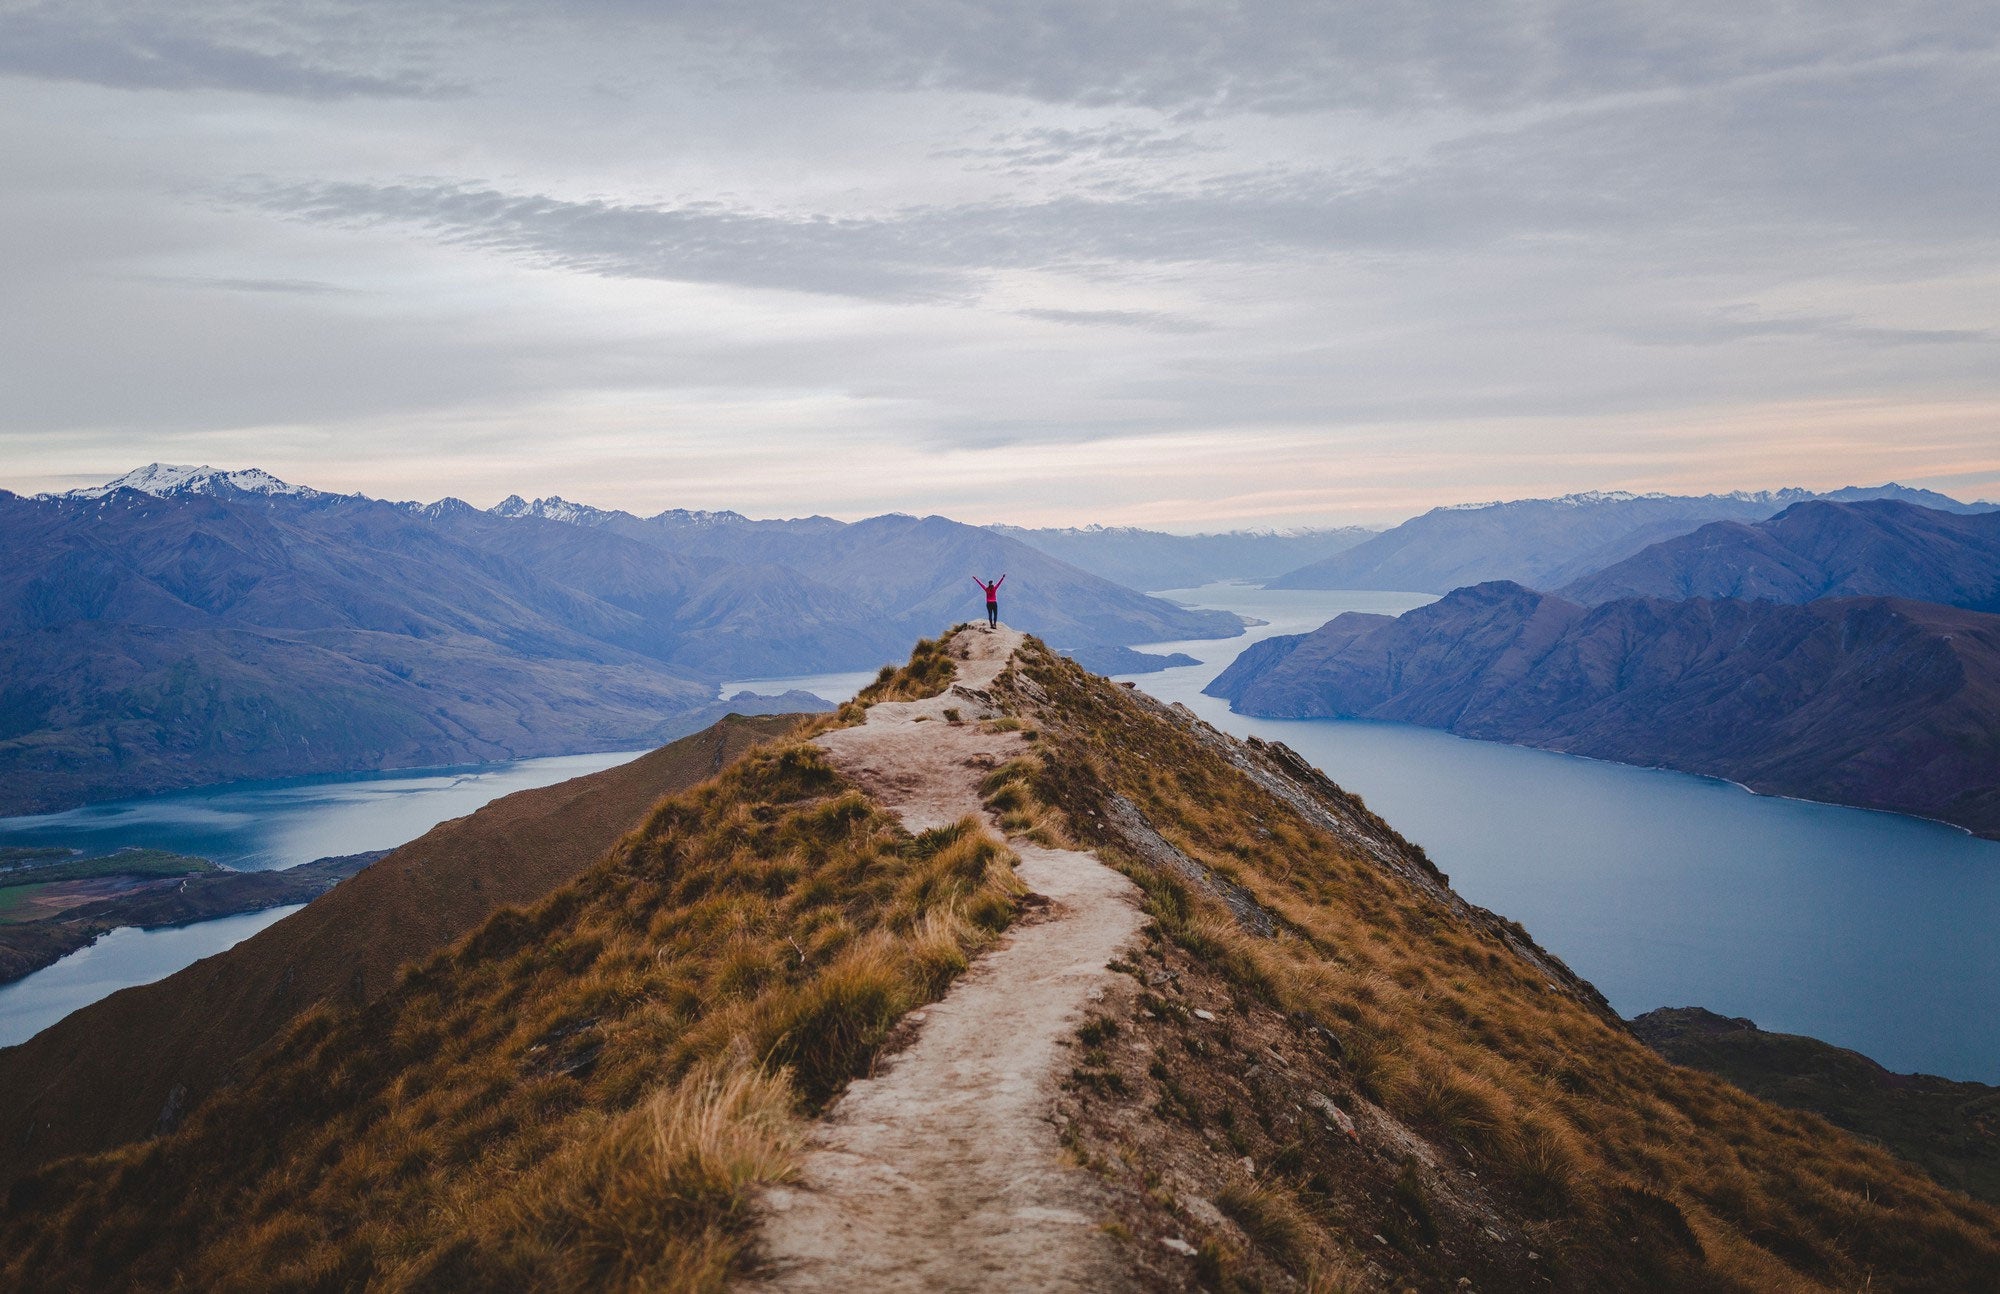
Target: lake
[(256, 826), (250, 826), (1871, 930), (124, 957)]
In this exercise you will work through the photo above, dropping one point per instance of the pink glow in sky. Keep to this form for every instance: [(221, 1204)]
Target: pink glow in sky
[(1197, 267)]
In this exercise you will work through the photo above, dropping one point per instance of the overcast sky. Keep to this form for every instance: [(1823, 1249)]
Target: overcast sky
[(1189, 265)]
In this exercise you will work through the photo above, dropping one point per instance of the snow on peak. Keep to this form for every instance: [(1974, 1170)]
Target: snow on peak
[(553, 508), (1595, 498), (683, 517), (168, 480), (1789, 495), (445, 507), (1585, 498)]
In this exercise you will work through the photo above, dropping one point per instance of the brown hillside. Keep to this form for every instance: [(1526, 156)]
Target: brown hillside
[(1320, 1070), (573, 1096), (137, 1061), (1950, 1128), (1332, 1072)]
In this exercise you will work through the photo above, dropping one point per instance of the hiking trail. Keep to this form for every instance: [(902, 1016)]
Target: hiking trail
[(943, 1171)]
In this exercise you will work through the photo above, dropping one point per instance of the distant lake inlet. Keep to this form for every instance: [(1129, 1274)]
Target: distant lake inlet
[(249, 826), (1870, 930)]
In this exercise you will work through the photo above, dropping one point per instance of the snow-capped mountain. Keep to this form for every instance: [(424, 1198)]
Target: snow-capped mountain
[(443, 509), (167, 480), (557, 508), (553, 508), (698, 517), (1598, 498)]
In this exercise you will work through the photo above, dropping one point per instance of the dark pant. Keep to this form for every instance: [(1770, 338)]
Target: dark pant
[(992, 615)]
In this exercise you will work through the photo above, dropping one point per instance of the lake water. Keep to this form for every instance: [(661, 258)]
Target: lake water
[(256, 826), (1871, 930), (250, 826), (119, 960), (828, 687)]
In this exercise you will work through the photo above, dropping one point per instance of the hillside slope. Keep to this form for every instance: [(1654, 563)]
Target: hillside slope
[(1330, 1069), (1870, 701), (1546, 543), (140, 1059), (1950, 1128), (1818, 549), (1315, 1067), (148, 643)]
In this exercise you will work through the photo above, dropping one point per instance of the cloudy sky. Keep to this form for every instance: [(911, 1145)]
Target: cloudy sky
[(1190, 265)]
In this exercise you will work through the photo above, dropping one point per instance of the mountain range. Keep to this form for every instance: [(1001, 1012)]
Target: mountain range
[(187, 625), (1819, 549), (1547, 543), (814, 594), (1880, 702), (1151, 559)]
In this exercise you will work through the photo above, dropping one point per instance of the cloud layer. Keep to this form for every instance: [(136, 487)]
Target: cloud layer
[(1200, 264)]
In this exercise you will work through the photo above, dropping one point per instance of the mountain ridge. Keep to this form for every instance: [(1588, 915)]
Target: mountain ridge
[(219, 625), (1816, 549), (1547, 543), (145, 1057), (1876, 702), (1315, 1063)]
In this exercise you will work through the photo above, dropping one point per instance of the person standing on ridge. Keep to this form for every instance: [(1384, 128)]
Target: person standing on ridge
[(992, 599)]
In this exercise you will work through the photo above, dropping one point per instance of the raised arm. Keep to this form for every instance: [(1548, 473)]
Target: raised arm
[(1002, 580)]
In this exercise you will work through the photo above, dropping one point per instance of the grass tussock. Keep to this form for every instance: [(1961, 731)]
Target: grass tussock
[(1452, 1024), (679, 1164), (1009, 792), (1272, 1217), (577, 1095), (927, 673)]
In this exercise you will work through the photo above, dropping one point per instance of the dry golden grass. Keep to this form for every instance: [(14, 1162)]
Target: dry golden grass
[(577, 1095), (1464, 1039), (583, 1094), (927, 673), (1009, 793)]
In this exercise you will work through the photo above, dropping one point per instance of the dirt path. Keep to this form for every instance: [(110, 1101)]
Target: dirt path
[(943, 1171)]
